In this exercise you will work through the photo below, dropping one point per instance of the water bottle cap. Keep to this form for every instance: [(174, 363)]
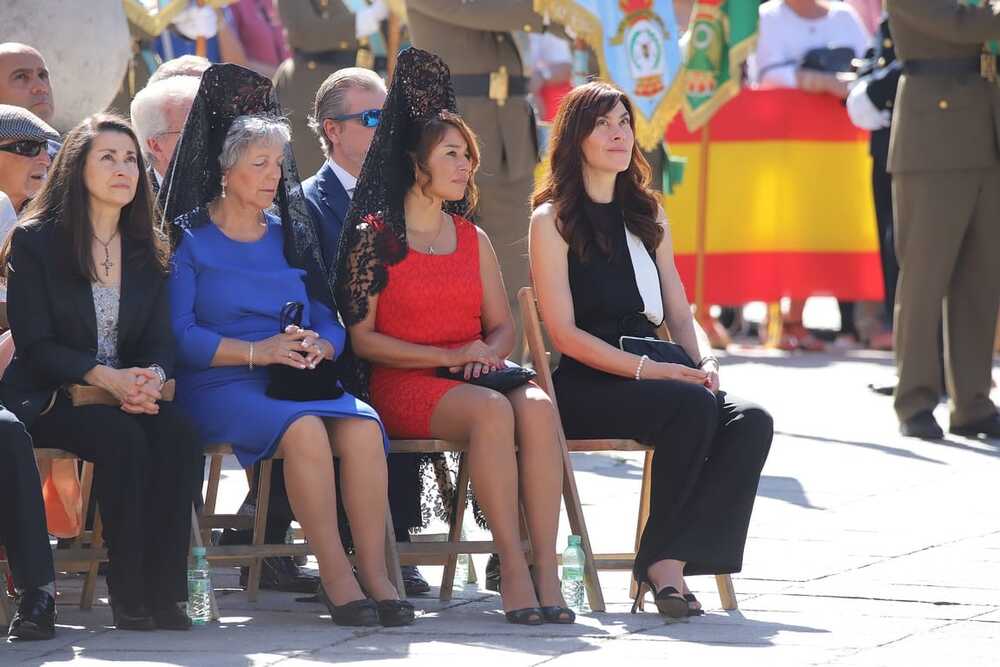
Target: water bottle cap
[(574, 540), (198, 552)]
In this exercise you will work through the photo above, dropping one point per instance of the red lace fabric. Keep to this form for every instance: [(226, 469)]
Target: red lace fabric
[(428, 300)]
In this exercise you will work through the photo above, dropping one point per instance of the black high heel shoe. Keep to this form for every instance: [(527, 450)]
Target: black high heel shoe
[(394, 613), (669, 601), (552, 613), (526, 616), (356, 613)]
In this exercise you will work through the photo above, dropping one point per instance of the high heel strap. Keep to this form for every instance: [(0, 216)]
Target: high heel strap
[(640, 592)]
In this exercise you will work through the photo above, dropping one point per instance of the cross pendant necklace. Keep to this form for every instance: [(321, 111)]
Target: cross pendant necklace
[(107, 263)]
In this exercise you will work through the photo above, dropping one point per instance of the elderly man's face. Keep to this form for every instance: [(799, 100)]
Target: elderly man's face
[(162, 146), (21, 174), (24, 81)]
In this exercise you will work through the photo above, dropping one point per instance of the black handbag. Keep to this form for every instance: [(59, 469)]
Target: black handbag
[(293, 384), (502, 379), (657, 350), (832, 61)]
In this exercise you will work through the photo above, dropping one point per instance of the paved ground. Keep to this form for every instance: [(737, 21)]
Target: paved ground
[(865, 549)]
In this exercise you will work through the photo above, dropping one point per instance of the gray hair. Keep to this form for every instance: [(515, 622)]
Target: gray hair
[(331, 98), (148, 110), (189, 65), (247, 130)]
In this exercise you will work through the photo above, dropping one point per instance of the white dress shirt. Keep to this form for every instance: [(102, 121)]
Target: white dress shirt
[(346, 179)]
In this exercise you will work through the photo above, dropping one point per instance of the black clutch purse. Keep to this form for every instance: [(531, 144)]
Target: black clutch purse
[(293, 384), (830, 60), (502, 379), (657, 350)]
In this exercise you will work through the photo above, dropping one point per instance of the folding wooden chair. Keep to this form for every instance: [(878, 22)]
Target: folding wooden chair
[(571, 496), (252, 555)]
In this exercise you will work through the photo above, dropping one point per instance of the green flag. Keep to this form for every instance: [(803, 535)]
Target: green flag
[(721, 36), (992, 46)]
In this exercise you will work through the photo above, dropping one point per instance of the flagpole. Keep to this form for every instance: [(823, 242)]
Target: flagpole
[(717, 334)]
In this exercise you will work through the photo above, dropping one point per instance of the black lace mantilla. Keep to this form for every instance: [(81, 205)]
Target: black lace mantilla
[(374, 235), (194, 176)]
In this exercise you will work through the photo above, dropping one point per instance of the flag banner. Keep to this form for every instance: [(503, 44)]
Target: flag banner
[(721, 36), (637, 47), (790, 211)]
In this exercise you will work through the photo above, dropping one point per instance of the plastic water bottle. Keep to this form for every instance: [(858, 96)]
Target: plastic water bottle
[(199, 589), (462, 571), (573, 561)]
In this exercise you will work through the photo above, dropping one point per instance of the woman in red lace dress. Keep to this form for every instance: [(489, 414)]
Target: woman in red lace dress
[(444, 305)]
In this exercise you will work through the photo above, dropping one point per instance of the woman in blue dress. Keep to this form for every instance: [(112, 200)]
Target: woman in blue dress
[(231, 277)]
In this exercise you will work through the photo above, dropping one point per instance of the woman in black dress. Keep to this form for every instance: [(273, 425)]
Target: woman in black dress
[(603, 267)]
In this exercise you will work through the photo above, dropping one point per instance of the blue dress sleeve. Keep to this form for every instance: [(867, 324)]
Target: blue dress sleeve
[(196, 345), (324, 322)]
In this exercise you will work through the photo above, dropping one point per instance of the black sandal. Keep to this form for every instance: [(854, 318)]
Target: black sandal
[(669, 601), (526, 616), (689, 598), (356, 613), (553, 613), (394, 613)]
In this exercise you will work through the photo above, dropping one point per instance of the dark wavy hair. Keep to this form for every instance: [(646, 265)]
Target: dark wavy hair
[(425, 135), (563, 185), (65, 200)]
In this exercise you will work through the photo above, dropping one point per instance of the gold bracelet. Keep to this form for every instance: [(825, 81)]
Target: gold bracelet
[(251, 355)]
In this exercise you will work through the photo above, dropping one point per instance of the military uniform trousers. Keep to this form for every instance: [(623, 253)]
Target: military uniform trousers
[(947, 243)]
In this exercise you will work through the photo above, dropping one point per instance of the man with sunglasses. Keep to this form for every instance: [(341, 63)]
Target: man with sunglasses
[(345, 114), (24, 161)]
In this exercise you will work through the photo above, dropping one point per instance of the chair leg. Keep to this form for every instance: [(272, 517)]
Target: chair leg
[(578, 526), (727, 593), (90, 581), (259, 527), (455, 529), (392, 556), (640, 524)]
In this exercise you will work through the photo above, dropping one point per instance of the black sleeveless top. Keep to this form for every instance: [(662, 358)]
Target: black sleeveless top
[(606, 299)]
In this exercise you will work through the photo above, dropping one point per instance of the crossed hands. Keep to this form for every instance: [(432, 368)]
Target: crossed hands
[(137, 389)]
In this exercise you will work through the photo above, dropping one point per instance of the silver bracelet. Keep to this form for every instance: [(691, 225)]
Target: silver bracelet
[(251, 356), (712, 358), (160, 373), (638, 369)]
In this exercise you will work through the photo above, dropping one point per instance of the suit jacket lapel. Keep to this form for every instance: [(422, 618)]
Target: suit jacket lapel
[(332, 194), (84, 298), (130, 294)]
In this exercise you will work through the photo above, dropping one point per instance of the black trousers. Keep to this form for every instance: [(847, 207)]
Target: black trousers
[(22, 512), (709, 451), (882, 188), (145, 476)]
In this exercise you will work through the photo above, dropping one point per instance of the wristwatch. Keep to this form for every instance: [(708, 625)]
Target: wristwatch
[(160, 373)]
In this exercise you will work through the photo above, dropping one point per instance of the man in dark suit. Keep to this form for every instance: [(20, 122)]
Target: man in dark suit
[(944, 157), (345, 114)]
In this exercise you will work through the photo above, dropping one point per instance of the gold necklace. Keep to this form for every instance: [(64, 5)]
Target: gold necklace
[(107, 263), (430, 246)]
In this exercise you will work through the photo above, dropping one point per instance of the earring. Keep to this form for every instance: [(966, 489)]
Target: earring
[(223, 188)]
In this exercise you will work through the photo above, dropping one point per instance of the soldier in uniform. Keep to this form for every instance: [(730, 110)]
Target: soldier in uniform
[(322, 38), (945, 163), (474, 38)]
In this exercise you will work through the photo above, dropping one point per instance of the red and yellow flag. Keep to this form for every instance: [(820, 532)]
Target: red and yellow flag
[(789, 203)]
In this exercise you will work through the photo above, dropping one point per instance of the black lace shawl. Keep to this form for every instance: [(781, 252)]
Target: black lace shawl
[(374, 235), (194, 176)]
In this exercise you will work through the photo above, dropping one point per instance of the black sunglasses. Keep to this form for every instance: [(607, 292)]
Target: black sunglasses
[(26, 147), (368, 117)]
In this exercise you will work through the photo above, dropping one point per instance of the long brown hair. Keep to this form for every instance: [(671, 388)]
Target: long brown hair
[(426, 135), (65, 201), (563, 186)]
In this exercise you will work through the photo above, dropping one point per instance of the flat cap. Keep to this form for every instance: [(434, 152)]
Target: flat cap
[(19, 124)]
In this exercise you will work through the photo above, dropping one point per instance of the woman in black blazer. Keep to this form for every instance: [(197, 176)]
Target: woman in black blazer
[(88, 304)]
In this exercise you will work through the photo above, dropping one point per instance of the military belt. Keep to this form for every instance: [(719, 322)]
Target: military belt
[(479, 85), (984, 66)]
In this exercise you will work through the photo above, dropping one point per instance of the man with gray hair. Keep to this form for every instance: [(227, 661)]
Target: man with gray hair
[(345, 114), (188, 65), (158, 114)]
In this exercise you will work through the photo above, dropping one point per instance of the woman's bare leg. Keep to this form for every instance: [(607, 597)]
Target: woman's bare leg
[(540, 471), (310, 482), (485, 419), (357, 442)]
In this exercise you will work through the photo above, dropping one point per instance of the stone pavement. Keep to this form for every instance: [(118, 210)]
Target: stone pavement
[(865, 549)]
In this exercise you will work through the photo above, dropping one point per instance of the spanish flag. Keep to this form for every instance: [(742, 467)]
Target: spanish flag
[(789, 202)]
